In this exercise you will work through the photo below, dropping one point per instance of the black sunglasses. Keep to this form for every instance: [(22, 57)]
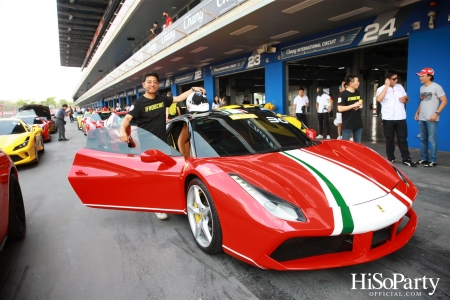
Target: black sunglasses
[(395, 79)]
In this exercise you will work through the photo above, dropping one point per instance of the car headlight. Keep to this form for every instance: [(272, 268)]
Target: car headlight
[(24, 144), (401, 175), (278, 207)]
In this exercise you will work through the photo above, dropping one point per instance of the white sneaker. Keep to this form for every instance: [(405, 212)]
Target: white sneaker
[(328, 137), (339, 137), (319, 136), (351, 139), (161, 216)]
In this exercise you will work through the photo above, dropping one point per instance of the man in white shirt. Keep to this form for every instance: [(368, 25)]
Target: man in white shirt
[(393, 98), (324, 104), (301, 102)]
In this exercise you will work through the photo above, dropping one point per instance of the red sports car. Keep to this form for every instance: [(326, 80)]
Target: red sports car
[(96, 120), (255, 186), (12, 211)]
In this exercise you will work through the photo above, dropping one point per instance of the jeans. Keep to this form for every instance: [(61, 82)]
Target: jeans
[(302, 118), (392, 128), (357, 133), (324, 118), (428, 133)]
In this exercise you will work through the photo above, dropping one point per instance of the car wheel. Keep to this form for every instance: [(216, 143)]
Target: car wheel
[(203, 218), (17, 225), (43, 148)]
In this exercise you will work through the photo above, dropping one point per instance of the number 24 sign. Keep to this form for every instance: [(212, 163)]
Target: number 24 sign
[(373, 31)]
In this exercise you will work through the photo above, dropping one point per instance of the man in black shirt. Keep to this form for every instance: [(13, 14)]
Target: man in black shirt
[(149, 110), (156, 29), (349, 104)]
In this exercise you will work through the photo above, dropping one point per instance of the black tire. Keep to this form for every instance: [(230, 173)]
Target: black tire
[(215, 245), (36, 152), (43, 147), (17, 225)]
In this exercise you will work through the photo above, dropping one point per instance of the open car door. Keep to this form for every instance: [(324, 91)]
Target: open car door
[(143, 175)]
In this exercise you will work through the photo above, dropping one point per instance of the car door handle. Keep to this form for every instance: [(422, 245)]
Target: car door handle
[(81, 173)]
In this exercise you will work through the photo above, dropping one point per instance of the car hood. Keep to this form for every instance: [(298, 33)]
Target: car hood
[(12, 140), (318, 176), (40, 110)]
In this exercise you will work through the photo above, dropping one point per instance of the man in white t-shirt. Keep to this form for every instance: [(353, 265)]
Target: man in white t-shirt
[(301, 102), (324, 104), (432, 102), (393, 97)]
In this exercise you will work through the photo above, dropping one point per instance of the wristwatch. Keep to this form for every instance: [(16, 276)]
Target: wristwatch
[(438, 113)]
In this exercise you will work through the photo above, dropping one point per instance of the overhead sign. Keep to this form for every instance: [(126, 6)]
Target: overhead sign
[(131, 92), (332, 41), (184, 78), (162, 84), (228, 67), (121, 95), (141, 90), (219, 7)]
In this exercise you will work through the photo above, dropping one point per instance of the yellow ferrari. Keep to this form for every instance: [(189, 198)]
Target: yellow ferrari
[(81, 118), (21, 141)]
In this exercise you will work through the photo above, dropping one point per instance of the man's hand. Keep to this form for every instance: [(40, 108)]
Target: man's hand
[(357, 105), (416, 117), (123, 137), (433, 117), (403, 99), (387, 82)]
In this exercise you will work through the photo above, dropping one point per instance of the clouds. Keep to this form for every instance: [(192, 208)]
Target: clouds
[(29, 53)]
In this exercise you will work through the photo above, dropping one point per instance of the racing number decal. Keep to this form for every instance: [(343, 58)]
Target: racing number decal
[(198, 74), (254, 60), (276, 120), (373, 31)]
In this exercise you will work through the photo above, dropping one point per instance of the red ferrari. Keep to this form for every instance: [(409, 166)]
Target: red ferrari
[(255, 186), (12, 211), (96, 120)]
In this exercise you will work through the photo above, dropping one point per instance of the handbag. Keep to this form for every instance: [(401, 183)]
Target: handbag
[(64, 122)]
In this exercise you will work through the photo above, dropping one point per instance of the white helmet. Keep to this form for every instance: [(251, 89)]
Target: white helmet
[(197, 102)]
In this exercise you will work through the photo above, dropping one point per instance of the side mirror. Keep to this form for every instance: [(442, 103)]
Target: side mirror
[(154, 155)]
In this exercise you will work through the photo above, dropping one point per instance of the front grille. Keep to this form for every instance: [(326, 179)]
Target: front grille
[(15, 158), (380, 237), (297, 248)]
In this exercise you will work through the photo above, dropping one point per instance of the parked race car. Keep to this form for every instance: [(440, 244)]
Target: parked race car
[(21, 141), (43, 123), (43, 112), (255, 186), (96, 120), (82, 119), (13, 224)]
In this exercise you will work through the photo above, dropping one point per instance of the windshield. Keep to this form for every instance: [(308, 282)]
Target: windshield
[(30, 112), (245, 133), (107, 140), (11, 127), (31, 120), (99, 117)]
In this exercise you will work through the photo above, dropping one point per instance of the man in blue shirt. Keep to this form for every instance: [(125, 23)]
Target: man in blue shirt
[(60, 115)]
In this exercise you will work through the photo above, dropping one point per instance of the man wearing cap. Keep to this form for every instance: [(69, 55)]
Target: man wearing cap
[(432, 102), (393, 97), (149, 110)]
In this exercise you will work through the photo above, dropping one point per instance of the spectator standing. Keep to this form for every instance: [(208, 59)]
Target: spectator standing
[(245, 101), (301, 102), (393, 97), (338, 120), (60, 115), (168, 19), (216, 103), (70, 113), (155, 30), (349, 103), (118, 108), (323, 107), (149, 110), (173, 110), (223, 101), (432, 102)]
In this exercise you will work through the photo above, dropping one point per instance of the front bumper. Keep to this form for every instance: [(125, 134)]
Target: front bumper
[(337, 251)]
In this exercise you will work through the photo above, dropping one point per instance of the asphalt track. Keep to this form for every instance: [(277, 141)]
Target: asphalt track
[(75, 252)]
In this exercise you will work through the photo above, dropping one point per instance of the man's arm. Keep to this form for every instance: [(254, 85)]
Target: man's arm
[(440, 108), (317, 106), (331, 105), (184, 95), (294, 109), (342, 108), (381, 95), (123, 128)]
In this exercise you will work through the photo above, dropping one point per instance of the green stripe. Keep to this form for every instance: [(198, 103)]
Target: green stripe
[(347, 219)]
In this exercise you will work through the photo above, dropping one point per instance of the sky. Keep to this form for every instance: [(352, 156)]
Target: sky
[(29, 53)]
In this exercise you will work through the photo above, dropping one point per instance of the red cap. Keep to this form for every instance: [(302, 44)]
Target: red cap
[(426, 71)]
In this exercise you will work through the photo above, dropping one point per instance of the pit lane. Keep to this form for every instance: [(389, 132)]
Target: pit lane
[(75, 252)]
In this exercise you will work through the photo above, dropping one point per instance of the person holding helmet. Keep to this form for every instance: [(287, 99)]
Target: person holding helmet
[(149, 111)]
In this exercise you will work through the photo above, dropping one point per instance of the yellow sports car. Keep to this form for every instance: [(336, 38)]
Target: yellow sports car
[(81, 118), (22, 142)]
